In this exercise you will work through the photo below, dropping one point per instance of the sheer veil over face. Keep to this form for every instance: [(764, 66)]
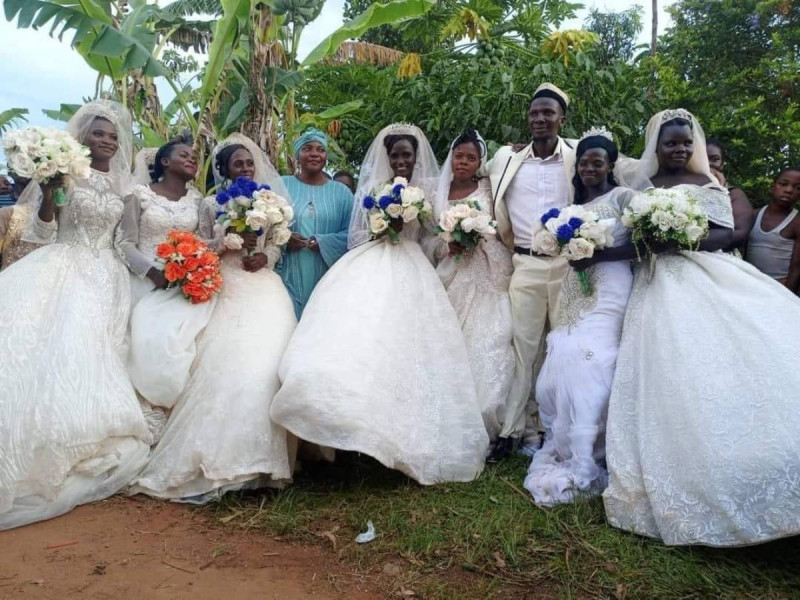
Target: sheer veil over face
[(80, 126), (375, 171), (265, 172)]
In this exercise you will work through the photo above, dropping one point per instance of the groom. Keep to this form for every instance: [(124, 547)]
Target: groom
[(525, 185)]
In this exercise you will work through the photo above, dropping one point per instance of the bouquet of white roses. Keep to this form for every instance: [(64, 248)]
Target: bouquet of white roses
[(248, 207), (41, 154), (465, 223), (665, 215), (395, 200), (573, 233)]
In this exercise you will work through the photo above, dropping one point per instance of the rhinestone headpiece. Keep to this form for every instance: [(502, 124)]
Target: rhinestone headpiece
[(678, 113), (601, 131)]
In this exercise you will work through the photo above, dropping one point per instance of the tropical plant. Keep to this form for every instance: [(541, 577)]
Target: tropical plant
[(13, 117)]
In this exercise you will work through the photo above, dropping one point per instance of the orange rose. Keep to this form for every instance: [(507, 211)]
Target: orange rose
[(195, 291), (191, 264), (174, 272), (182, 236), (165, 250), (209, 259), (187, 249)]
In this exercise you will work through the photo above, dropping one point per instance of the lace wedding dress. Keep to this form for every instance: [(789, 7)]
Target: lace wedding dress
[(702, 440), (219, 436), (164, 325), (71, 429), (575, 380), (378, 365), (477, 286)]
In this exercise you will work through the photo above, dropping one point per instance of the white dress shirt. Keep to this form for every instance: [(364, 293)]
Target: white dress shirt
[(538, 186)]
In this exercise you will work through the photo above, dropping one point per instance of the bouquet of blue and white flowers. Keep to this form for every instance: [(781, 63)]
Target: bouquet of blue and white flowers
[(395, 200), (573, 233), (248, 207)]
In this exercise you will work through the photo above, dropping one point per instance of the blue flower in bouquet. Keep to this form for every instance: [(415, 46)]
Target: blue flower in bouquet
[(385, 201), (368, 202), (223, 196), (565, 233), (396, 190), (550, 214), (575, 222), (247, 185), (234, 191)]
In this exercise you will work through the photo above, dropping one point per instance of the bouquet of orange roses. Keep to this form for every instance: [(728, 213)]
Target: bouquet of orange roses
[(190, 264)]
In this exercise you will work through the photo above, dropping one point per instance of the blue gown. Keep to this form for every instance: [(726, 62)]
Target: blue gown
[(322, 212)]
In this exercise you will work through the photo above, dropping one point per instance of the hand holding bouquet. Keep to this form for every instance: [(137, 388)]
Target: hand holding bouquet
[(190, 264), (397, 202), (573, 233), (665, 216), (44, 154), (247, 207), (465, 224)]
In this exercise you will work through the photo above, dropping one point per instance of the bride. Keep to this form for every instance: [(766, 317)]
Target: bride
[(378, 362), (702, 441), (219, 436), (477, 283), (575, 381), (71, 429)]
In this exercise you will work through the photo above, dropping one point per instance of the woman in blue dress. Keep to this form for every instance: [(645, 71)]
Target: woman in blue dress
[(321, 219)]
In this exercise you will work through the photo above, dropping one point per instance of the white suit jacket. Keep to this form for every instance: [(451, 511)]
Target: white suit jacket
[(502, 169)]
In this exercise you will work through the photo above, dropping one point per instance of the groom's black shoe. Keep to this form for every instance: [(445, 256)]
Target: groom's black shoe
[(503, 448)]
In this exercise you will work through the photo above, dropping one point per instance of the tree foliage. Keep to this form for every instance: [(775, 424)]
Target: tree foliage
[(735, 65)]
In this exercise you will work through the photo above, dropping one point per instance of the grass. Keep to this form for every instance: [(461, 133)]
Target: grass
[(487, 539)]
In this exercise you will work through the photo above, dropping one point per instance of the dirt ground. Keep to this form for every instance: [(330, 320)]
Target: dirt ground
[(136, 548)]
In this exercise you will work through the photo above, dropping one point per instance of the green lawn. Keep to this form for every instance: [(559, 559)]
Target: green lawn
[(487, 539)]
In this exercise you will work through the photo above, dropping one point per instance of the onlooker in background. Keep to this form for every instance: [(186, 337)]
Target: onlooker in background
[(6, 191), (742, 209), (345, 178), (773, 244), (14, 217)]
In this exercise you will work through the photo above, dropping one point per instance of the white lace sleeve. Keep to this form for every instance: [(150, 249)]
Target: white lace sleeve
[(128, 238), (41, 232)]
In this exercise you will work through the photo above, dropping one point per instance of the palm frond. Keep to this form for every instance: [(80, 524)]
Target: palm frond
[(11, 118), (365, 53), (183, 8)]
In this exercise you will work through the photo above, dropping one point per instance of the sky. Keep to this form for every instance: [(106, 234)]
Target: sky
[(39, 72)]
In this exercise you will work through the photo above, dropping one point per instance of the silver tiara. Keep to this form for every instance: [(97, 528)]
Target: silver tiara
[(677, 113), (601, 131), (103, 109)]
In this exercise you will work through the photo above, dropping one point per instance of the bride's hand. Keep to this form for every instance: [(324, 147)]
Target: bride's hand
[(584, 263), (455, 248), (158, 279), (255, 262), (250, 240), (396, 224), (663, 247)]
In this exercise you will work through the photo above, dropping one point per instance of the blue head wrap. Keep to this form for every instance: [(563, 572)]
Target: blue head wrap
[(310, 135)]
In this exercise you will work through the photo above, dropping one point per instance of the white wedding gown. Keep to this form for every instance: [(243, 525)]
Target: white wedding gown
[(477, 286), (702, 441), (378, 365), (574, 383), (164, 325), (71, 429), (219, 436)]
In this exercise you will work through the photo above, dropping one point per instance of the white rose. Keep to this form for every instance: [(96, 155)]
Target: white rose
[(460, 211), (580, 248), (694, 232), (679, 220), (661, 219), (63, 160), (233, 241), (468, 224), (288, 212), (260, 205), (256, 220), (447, 221), (394, 210), (23, 166), (410, 213), (243, 201), (411, 195), (47, 169), (282, 235), (377, 224), (628, 218), (483, 224), (274, 215), (427, 208), (80, 168), (545, 243), (399, 181), (553, 224)]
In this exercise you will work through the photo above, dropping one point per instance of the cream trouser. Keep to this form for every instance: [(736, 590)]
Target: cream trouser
[(534, 291)]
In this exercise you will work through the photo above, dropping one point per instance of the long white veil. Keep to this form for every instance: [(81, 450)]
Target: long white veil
[(441, 202), (375, 171), (80, 125), (142, 164), (637, 173), (265, 172)]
